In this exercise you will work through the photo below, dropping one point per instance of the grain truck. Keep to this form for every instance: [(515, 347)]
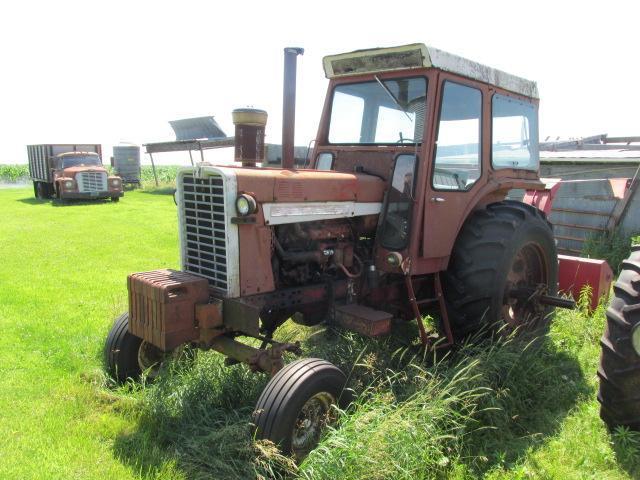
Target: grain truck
[(71, 171)]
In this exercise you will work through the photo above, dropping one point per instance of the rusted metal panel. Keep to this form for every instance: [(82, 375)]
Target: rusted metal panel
[(162, 306), (270, 184), (543, 199), (363, 320), (584, 207), (575, 272)]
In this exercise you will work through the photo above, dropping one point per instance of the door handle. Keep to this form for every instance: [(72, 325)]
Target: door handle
[(437, 200)]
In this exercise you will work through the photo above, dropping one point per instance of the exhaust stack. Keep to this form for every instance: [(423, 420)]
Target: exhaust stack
[(289, 105)]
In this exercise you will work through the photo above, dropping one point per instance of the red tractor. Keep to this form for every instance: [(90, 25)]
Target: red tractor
[(401, 211)]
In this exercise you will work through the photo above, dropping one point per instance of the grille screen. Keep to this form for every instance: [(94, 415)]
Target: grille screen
[(92, 182), (205, 248)]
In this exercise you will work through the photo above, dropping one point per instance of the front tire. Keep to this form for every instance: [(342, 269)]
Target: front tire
[(128, 356), (506, 246), (296, 405), (115, 199), (619, 371)]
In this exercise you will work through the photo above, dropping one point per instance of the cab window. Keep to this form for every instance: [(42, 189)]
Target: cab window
[(457, 157), (395, 226), (383, 111), (514, 134)]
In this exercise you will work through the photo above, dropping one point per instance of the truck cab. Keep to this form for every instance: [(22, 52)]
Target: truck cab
[(81, 175)]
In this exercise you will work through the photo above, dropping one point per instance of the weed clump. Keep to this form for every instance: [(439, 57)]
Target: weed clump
[(477, 409)]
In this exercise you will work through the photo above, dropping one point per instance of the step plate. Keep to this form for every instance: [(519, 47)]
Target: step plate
[(363, 320)]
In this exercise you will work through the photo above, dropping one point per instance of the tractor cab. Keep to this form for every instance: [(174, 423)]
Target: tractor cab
[(446, 134)]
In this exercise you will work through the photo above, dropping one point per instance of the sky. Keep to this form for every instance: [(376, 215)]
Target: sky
[(118, 71)]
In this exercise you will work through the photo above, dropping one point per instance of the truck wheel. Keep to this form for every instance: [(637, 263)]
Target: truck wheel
[(506, 246), (127, 356), (115, 199), (295, 406), (41, 190), (619, 370)]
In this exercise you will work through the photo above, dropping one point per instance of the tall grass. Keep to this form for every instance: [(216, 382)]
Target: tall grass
[(613, 247), (477, 410)]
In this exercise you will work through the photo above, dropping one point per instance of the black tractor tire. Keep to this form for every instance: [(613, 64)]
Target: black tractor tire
[(121, 351), (491, 246), (619, 371), (293, 391)]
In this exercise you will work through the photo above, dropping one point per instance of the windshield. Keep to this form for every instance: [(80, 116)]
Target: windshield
[(379, 112), (81, 161)]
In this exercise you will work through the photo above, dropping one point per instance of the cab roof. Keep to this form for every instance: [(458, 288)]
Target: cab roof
[(419, 55), (75, 154)]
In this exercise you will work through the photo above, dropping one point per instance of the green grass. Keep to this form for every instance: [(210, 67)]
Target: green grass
[(613, 247), (511, 408)]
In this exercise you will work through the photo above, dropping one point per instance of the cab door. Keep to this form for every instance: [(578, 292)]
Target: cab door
[(456, 164)]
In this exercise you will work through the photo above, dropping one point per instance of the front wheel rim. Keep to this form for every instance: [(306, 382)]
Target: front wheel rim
[(314, 416), (150, 359)]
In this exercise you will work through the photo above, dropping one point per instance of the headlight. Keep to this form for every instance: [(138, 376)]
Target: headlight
[(68, 184), (115, 182), (245, 204)]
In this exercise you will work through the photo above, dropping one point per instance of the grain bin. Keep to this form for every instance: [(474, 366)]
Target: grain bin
[(126, 162)]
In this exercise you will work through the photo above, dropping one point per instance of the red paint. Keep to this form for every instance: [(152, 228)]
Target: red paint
[(543, 199), (575, 272)]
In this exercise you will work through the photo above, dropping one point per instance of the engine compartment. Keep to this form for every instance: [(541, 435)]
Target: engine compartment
[(312, 252)]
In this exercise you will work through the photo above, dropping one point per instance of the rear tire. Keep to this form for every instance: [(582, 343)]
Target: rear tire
[(127, 356), (619, 371), (42, 190), (295, 406), (505, 246)]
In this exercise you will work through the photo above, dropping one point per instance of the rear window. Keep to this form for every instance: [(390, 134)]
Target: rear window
[(514, 134)]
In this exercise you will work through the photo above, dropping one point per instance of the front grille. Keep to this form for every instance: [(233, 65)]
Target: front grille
[(205, 240), (91, 182)]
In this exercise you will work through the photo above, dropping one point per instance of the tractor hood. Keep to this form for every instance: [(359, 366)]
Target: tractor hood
[(278, 185)]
